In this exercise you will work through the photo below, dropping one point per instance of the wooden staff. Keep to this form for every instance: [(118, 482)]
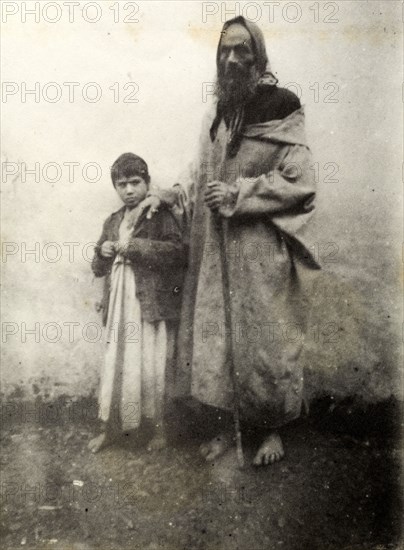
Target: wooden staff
[(222, 225)]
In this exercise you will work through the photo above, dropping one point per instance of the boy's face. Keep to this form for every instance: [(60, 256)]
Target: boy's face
[(131, 190)]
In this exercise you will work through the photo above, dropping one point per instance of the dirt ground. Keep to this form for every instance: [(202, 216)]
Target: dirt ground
[(333, 490)]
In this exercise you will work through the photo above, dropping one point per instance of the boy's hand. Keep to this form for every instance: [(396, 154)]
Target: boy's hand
[(107, 249)]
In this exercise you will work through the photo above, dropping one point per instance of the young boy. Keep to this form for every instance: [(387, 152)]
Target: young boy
[(143, 262)]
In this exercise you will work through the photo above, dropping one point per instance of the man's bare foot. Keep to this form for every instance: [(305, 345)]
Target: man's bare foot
[(100, 442), (216, 447), (271, 451)]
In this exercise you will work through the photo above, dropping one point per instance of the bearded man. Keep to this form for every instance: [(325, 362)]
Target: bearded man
[(253, 170)]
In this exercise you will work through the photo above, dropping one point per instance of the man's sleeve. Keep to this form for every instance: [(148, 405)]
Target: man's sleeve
[(283, 197), (181, 197), (290, 188)]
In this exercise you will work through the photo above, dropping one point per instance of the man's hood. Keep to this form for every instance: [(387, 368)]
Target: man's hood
[(259, 48), (266, 79)]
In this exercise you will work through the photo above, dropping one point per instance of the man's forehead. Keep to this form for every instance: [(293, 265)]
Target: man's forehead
[(235, 34)]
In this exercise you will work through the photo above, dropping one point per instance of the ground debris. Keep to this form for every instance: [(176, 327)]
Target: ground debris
[(126, 498)]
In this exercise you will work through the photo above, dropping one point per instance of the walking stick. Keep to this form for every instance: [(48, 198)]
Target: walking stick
[(222, 226)]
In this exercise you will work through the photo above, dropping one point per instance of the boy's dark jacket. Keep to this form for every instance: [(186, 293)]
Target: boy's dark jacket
[(158, 256)]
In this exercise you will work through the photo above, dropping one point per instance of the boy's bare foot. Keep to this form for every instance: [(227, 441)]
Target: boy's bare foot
[(159, 440), (157, 443), (271, 451), (100, 442), (216, 447)]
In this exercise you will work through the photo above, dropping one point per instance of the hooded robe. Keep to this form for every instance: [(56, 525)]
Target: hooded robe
[(269, 201)]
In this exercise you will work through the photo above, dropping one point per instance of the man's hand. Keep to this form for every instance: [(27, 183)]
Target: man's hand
[(151, 204), (107, 249), (215, 193)]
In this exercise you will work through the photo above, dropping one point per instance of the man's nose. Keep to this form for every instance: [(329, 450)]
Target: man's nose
[(233, 59)]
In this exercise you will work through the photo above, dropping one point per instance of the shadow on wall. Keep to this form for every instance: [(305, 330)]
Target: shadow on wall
[(350, 348)]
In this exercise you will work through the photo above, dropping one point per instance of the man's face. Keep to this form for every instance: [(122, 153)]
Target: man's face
[(236, 56), (237, 74), (131, 190)]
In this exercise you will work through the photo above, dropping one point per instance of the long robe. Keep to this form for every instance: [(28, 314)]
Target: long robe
[(133, 374), (271, 190)]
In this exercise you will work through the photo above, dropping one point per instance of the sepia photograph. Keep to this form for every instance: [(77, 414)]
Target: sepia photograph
[(202, 275)]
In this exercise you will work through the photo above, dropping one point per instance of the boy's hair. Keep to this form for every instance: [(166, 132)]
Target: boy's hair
[(128, 165)]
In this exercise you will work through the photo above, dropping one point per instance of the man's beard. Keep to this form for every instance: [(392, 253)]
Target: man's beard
[(236, 89)]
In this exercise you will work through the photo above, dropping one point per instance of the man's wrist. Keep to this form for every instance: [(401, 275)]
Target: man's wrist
[(153, 192), (230, 198), (167, 197)]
